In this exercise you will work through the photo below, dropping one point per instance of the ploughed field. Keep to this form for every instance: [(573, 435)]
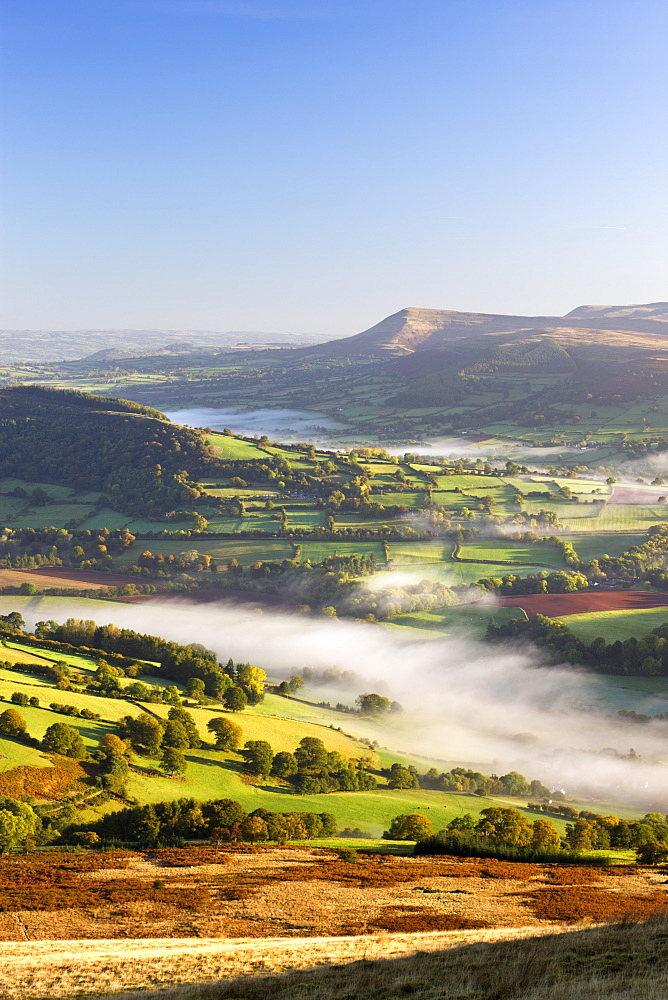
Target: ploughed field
[(559, 605)]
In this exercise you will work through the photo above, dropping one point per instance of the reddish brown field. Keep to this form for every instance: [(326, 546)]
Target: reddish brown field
[(88, 923), (56, 576), (556, 605)]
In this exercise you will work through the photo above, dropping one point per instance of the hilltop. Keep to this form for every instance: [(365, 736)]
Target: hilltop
[(416, 329)]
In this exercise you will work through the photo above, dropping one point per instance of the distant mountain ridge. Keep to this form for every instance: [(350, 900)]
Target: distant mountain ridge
[(44, 346), (416, 329), (651, 310)]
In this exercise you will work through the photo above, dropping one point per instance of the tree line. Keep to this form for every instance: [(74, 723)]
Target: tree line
[(646, 657), (219, 820)]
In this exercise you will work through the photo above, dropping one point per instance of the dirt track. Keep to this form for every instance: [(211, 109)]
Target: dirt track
[(556, 605)]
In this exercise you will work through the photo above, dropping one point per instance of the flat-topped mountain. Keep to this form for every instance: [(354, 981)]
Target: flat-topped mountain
[(415, 329), (651, 310)]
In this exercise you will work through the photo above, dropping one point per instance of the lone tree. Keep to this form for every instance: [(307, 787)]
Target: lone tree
[(401, 777), (185, 719), (64, 740), (296, 683), (227, 734), (373, 704), (172, 761), (175, 735), (12, 723), (311, 754)]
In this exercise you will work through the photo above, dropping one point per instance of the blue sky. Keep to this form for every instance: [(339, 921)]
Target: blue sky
[(314, 165)]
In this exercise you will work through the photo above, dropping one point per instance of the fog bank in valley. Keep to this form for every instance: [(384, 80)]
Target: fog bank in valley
[(311, 427), (464, 702)]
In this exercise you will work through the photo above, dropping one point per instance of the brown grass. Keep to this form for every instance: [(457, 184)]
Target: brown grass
[(293, 903), (57, 969), (623, 962), (64, 778)]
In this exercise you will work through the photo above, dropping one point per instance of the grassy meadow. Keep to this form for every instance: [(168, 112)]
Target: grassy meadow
[(613, 625)]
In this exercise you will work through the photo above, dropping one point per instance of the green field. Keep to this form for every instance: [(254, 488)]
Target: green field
[(317, 551), (613, 625), (405, 553), (245, 550), (235, 448), (513, 552), (593, 545), (466, 619), (610, 693), (613, 517), (60, 607)]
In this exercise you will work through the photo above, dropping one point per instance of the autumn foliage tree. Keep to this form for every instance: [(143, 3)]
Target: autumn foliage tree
[(412, 826), (227, 734), (12, 723)]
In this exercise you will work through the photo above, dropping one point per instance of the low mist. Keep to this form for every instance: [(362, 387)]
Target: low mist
[(311, 427), (464, 702)]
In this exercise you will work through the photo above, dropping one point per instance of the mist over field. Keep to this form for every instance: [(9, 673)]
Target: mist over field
[(311, 427), (463, 701), (302, 425)]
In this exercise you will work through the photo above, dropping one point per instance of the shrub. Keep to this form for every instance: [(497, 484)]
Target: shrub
[(349, 854), (65, 740)]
